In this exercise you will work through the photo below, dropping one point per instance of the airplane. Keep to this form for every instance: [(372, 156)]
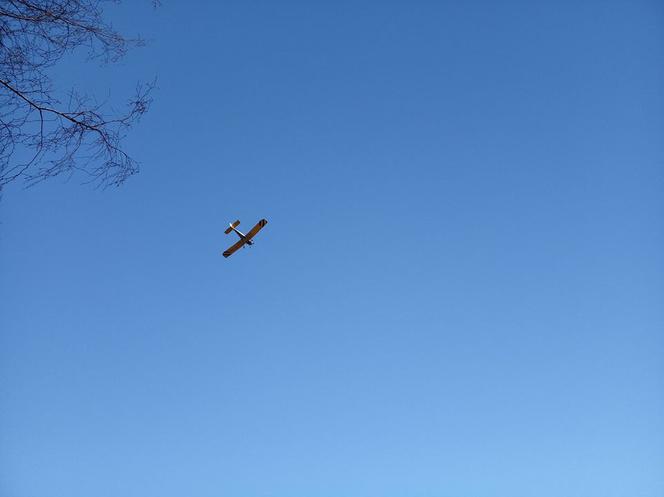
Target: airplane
[(244, 239)]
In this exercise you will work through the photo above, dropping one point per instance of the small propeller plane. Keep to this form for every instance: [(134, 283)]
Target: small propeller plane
[(244, 239)]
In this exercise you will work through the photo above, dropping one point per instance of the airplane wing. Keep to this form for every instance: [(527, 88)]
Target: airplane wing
[(256, 229), (234, 248)]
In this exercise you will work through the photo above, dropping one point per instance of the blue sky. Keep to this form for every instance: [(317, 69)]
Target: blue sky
[(459, 291)]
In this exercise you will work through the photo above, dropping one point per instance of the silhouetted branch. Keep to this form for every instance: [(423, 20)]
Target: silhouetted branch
[(39, 137)]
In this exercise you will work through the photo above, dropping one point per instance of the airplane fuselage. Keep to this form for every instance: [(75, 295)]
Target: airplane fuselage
[(243, 236)]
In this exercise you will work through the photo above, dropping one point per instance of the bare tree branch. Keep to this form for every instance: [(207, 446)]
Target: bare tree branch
[(39, 136)]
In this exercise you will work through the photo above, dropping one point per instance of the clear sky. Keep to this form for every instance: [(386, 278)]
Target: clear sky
[(459, 292)]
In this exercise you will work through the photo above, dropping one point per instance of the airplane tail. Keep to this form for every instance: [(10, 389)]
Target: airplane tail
[(230, 228)]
